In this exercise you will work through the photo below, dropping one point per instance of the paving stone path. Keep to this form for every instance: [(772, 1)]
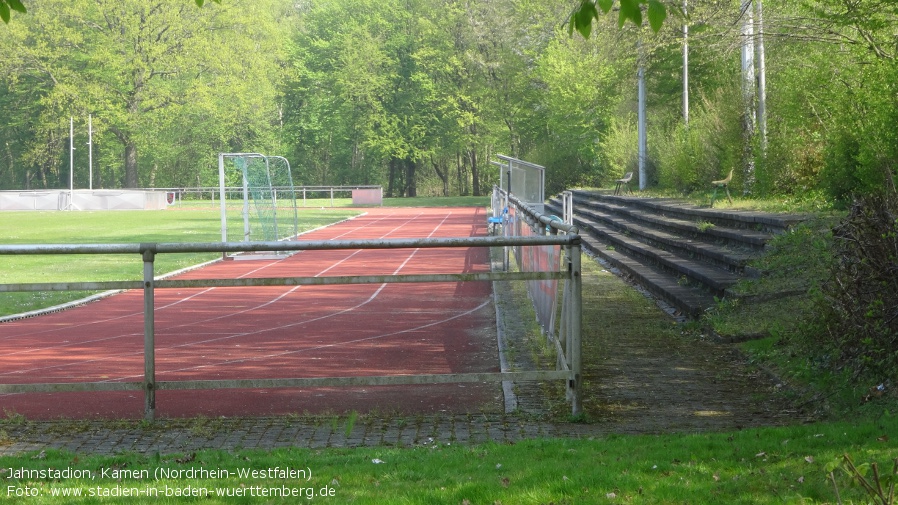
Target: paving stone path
[(185, 436)]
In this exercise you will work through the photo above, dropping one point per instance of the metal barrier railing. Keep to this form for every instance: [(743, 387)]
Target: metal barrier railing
[(568, 371), (523, 222)]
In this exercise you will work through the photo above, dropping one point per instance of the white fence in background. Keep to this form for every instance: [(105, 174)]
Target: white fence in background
[(83, 199)]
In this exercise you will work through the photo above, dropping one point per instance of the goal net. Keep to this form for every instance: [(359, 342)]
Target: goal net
[(261, 189)]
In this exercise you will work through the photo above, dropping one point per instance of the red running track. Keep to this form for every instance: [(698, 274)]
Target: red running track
[(279, 332)]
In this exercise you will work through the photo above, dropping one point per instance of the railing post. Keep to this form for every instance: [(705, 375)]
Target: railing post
[(508, 228), (568, 207), (575, 326), (149, 332)]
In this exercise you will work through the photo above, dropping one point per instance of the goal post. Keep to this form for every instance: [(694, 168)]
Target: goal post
[(266, 184)]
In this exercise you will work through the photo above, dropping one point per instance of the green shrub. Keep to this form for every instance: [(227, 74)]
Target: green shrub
[(862, 141), (690, 158), (618, 151), (860, 318)]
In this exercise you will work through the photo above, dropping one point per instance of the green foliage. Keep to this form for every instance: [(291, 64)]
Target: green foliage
[(860, 317), (628, 10), (689, 158), (831, 116), (879, 488), (167, 87), (577, 101), (863, 148), (618, 150), (418, 95), (7, 6)]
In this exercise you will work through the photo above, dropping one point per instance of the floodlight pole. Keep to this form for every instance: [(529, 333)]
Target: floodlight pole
[(90, 152), (71, 163), (641, 127)]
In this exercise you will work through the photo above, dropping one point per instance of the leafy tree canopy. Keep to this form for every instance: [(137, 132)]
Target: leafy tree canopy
[(7, 6)]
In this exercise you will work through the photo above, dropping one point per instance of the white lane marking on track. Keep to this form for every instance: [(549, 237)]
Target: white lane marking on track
[(324, 346), (308, 349), (189, 344), (270, 302), (327, 316), (124, 335), (176, 302), (172, 304)]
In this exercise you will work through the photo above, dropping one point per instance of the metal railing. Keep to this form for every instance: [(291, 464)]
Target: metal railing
[(569, 370), (525, 223)]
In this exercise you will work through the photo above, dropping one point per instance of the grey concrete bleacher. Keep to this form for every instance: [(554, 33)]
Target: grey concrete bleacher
[(687, 256)]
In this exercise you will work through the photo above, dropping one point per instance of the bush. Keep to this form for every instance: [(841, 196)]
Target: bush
[(690, 158), (861, 317), (861, 140), (618, 151)]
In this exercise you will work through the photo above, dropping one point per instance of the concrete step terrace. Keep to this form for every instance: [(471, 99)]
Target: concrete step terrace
[(687, 256)]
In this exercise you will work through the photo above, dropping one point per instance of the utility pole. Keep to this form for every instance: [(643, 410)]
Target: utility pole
[(748, 95), (762, 79), (71, 163), (90, 152), (640, 119), (685, 65)]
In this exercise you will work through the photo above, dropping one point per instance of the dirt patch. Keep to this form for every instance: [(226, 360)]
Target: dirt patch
[(645, 372)]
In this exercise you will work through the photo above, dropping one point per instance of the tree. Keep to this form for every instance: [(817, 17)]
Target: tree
[(149, 73), (16, 5)]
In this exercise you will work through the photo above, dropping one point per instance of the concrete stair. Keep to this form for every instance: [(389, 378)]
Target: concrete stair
[(687, 256)]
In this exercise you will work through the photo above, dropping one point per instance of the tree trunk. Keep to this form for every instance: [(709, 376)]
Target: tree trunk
[(411, 181), (42, 172), (392, 178), (12, 167), (442, 174), (475, 178), (749, 95), (462, 163), (131, 176)]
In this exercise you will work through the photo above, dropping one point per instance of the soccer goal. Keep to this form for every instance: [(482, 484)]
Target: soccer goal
[(256, 191)]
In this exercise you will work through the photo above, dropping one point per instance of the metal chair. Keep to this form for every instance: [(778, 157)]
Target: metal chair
[(624, 181), (725, 184)]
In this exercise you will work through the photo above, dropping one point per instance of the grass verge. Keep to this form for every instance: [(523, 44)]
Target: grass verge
[(799, 464)]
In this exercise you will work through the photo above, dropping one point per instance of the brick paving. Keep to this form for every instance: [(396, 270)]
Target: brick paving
[(188, 435)]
